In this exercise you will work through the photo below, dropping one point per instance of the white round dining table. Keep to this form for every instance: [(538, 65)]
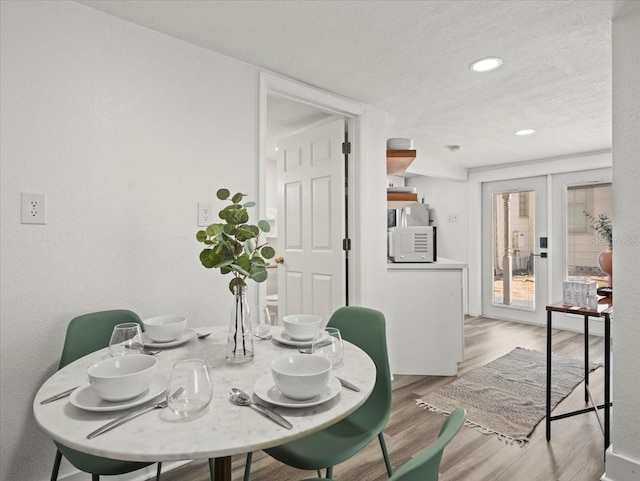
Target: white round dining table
[(220, 431)]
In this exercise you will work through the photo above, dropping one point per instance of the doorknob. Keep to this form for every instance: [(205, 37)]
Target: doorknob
[(279, 260)]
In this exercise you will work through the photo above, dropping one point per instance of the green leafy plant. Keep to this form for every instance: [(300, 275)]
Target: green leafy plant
[(233, 246), (602, 225)]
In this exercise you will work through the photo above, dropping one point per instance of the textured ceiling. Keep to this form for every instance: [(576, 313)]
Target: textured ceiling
[(411, 58)]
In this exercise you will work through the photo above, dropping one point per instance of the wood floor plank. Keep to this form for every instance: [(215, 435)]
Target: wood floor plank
[(575, 452)]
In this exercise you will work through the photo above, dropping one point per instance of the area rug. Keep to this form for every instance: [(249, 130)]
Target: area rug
[(507, 397)]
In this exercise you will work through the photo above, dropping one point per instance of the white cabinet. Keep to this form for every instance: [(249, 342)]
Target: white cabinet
[(425, 319)]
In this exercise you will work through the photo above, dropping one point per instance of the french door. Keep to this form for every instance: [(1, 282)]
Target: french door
[(515, 262)]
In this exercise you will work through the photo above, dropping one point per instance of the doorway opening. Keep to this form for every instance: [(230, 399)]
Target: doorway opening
[(280, 92), (285, 117)]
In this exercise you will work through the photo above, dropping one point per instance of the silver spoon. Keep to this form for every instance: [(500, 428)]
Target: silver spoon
[(241, 398), (203, 335)]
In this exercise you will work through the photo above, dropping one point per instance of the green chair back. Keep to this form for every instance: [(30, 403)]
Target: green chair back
[(86, 334), (366, 329), (322, 450), (90, 332), (425, 465)]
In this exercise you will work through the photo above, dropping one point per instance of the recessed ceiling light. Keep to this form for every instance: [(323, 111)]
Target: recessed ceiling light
[(525, 132), (486, 64)]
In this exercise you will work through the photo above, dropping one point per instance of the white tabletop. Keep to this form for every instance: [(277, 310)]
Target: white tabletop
[(222, 430)]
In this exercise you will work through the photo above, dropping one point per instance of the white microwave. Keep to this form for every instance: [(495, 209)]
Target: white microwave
[(412, 244)]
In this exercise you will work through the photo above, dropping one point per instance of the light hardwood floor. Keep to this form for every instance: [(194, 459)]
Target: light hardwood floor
[(575, 453)]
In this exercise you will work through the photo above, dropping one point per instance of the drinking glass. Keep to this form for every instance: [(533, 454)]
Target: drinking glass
[(262, 324), (126, 339), (328, 343), (193, 377)]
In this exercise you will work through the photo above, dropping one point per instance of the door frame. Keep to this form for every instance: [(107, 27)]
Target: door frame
[(548, 166), (351, 111)]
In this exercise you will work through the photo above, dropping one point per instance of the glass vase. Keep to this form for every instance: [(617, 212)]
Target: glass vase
[(240, 340)]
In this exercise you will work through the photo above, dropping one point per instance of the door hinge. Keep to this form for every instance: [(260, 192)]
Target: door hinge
[(346, 148), (346, 244)]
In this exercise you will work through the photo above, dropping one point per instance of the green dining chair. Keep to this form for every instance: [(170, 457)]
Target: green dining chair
[(86, 334), (425, 465), (322, 450)]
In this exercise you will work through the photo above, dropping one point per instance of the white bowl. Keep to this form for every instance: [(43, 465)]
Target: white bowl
[(122, 377), (399, 143), (302, 327), (301, 376), (165, 328)]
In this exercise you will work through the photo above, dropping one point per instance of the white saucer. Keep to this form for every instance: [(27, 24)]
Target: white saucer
[(85, 398), (267, 391), (187, 335), (284, 338)]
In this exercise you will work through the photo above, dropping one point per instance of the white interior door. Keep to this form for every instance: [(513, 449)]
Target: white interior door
[(311, 213), (515, 266)]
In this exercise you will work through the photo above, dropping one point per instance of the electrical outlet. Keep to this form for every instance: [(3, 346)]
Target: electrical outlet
[(205, 214), (453, 218), (32, 209)]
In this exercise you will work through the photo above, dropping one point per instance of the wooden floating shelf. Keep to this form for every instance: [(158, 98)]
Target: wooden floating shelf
[(399, 160), (399, 200)]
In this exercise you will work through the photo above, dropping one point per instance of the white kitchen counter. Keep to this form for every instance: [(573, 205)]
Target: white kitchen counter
[(442, 263), (425, 319)]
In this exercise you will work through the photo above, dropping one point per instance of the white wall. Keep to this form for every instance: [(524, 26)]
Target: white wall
[(623, 458), (124, 130)]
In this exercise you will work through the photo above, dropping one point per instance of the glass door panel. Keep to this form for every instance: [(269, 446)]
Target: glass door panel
[(514, 283), (583, 243)]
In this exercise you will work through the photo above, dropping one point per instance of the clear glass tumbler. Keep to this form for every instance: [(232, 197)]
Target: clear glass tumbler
[(328, 343), (126, 339), (190, 389), (262, 325)]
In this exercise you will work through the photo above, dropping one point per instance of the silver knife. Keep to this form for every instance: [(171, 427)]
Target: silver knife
[(134, 414), (59, 396), (271, 414), (126, 417), (348, 385)]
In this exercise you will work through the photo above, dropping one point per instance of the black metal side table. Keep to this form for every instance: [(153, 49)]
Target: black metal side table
[(604, 310)]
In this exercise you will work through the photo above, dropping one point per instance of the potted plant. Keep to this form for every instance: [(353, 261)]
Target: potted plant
[(602, 225), (234, 247)]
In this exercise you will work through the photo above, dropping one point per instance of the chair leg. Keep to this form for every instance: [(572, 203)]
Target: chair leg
[(95, 477), (385, 454), (56, 466), (158, 471), (247, 466), (212, 469), (329, 472)]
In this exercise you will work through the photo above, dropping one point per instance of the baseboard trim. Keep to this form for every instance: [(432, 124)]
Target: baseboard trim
[(620, 468)]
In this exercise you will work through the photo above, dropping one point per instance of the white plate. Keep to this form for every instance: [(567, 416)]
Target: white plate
[(85, 398), (187, 335), (266, 390), (284, 338)]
